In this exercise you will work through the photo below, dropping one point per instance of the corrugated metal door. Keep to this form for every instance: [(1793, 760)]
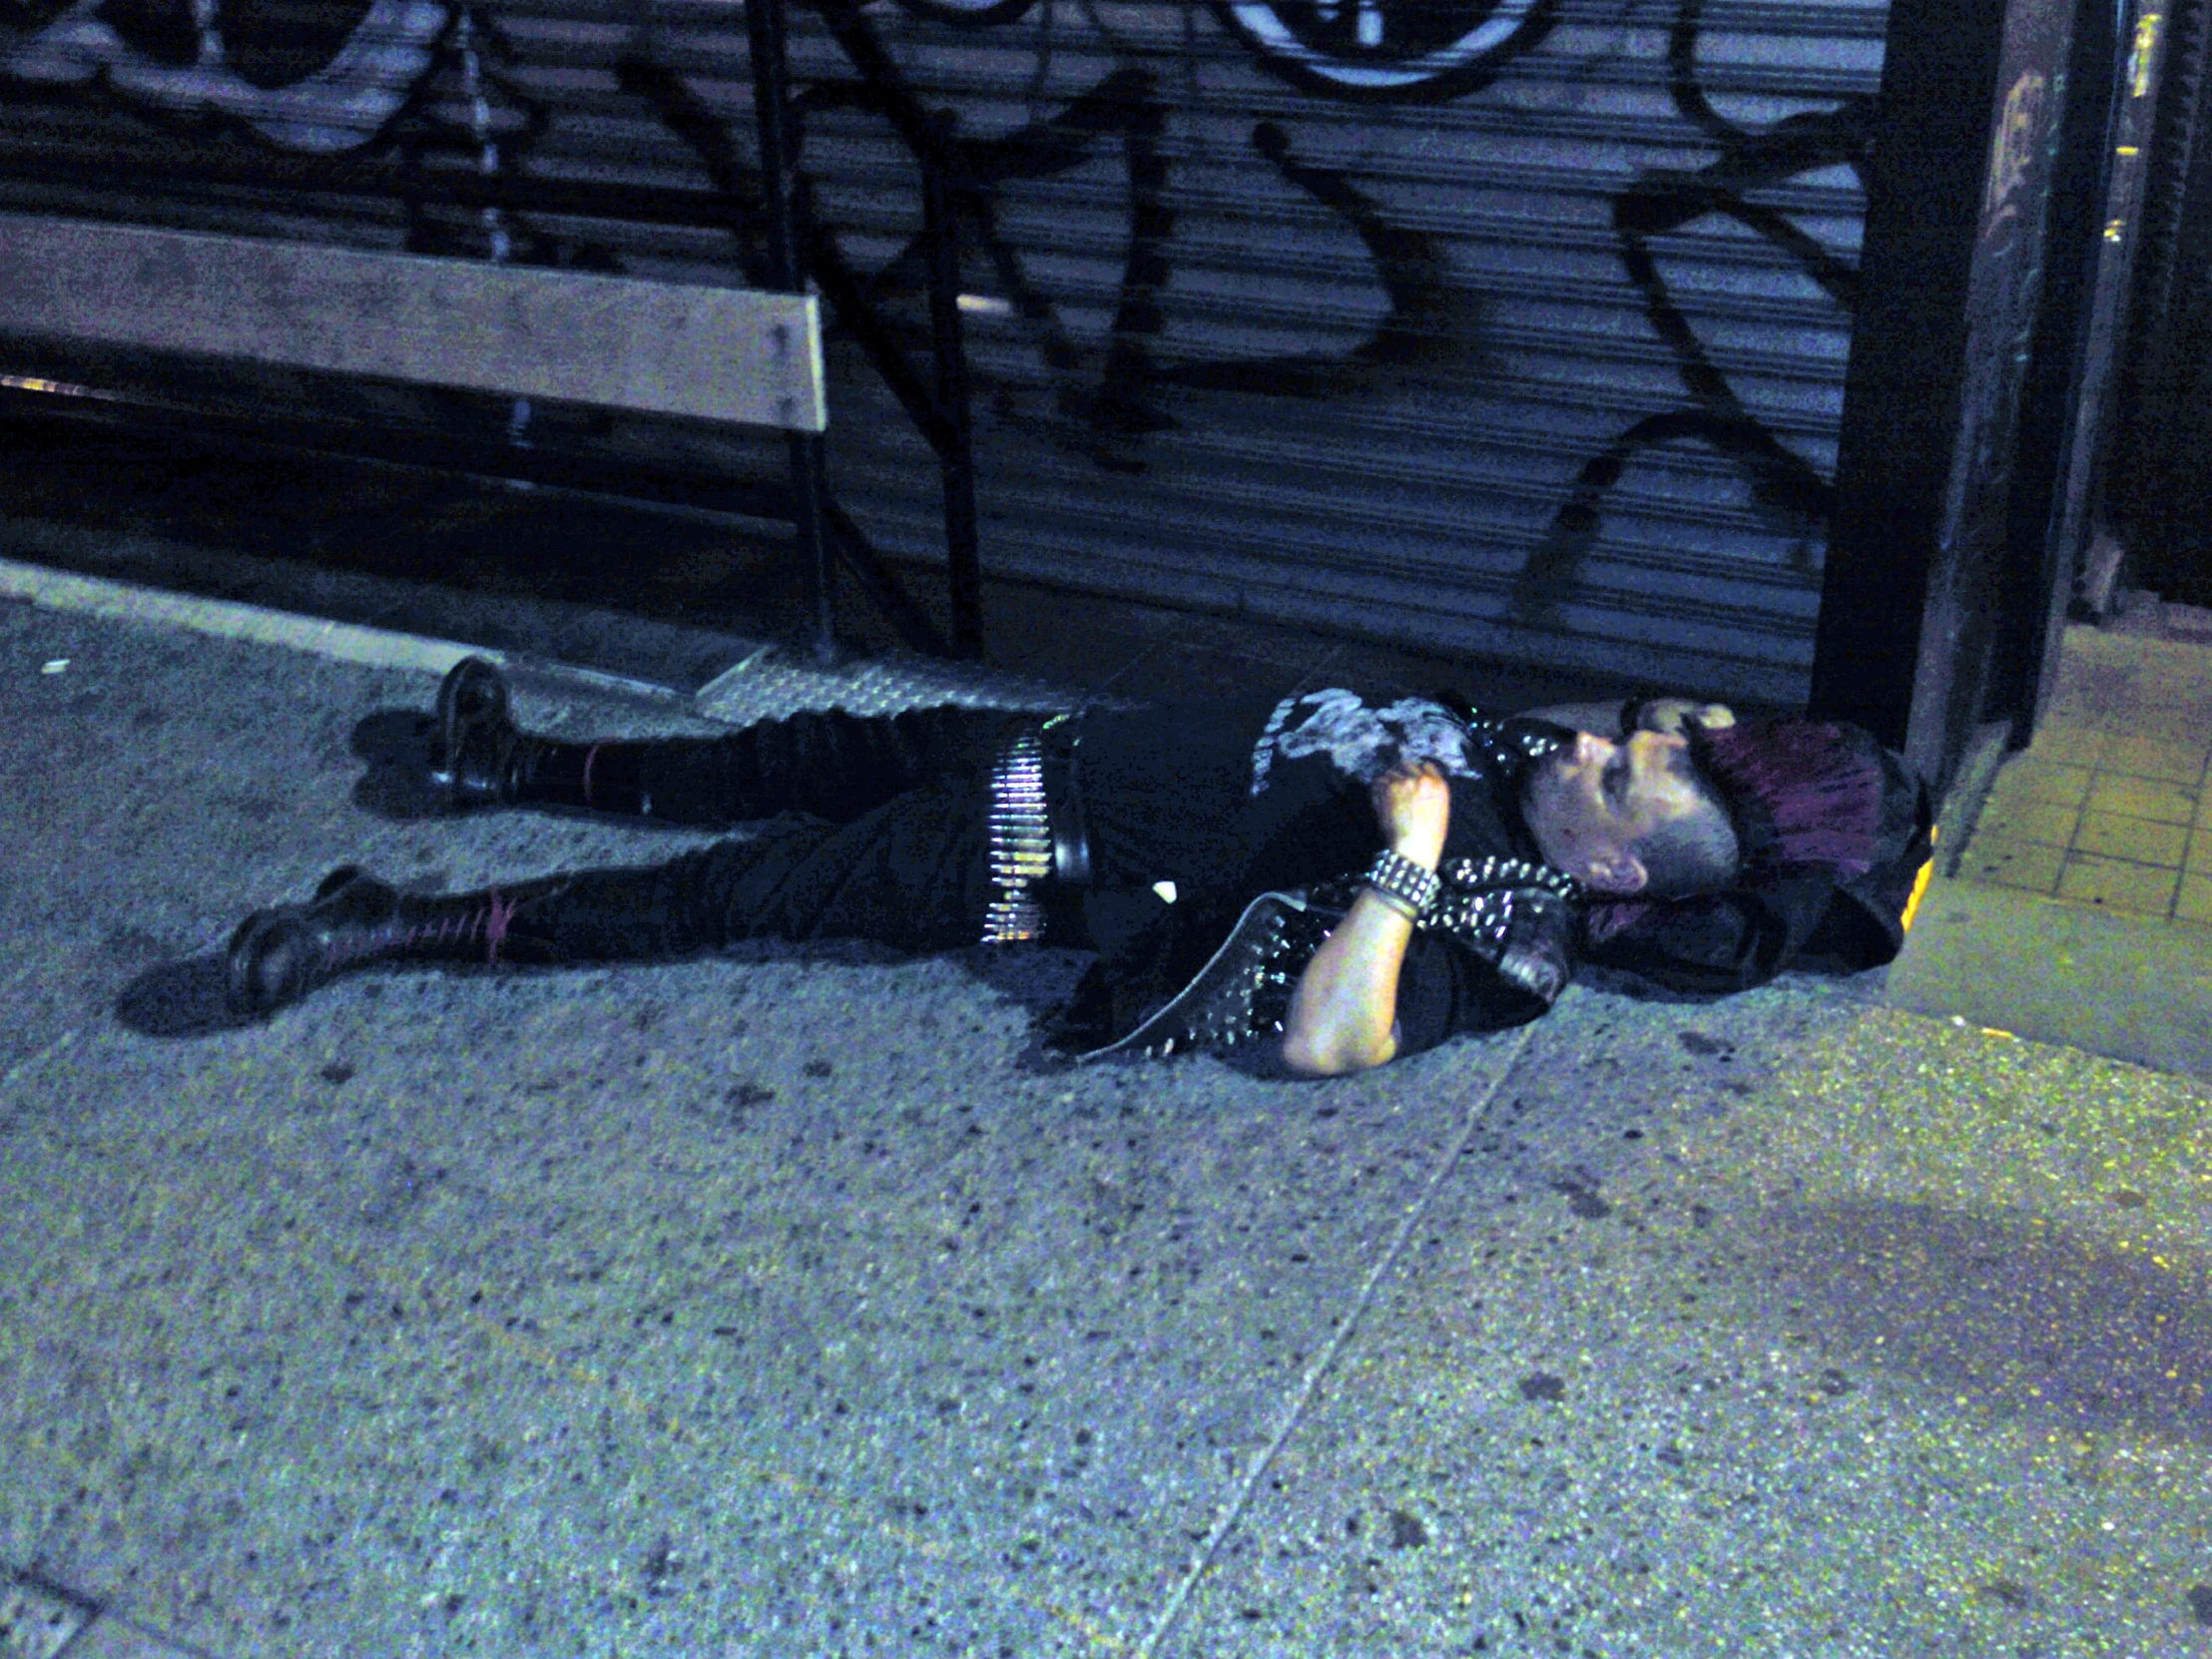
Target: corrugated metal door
[(1513, 328)]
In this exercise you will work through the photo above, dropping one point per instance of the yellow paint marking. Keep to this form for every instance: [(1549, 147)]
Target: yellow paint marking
[(2139, 60), (1920, 891)]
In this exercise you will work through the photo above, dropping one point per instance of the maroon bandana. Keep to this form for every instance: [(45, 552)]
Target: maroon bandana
[(1802, 794)]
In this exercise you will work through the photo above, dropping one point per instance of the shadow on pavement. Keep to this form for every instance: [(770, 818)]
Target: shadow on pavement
[(189, 998), (397, 746), (2023, 1316)]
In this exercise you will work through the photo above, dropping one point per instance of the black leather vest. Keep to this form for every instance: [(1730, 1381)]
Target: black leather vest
[(1521, 917)]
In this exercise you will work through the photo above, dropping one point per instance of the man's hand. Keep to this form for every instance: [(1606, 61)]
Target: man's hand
[(1413, 804), (1670, 713)]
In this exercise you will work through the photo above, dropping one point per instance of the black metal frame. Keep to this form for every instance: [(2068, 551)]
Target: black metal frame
[(2156, 492), (1901, 386), (2065, 398), (1922, 596), (946, 424), (1949, 575), (940, 411), (799, 250)]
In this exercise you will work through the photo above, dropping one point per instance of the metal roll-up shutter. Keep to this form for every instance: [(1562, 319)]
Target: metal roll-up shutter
[(1511, 328)]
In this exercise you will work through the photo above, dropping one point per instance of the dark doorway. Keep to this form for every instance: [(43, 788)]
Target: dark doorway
[(2159, 496)]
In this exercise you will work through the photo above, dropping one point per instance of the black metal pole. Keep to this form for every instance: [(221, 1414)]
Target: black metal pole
[(764, 25), (956, 460)]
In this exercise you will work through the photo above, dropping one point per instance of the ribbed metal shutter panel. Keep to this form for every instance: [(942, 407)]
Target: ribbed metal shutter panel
[(1380, 363)]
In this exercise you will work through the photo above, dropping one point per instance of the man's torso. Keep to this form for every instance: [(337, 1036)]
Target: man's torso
[(1240, 796)]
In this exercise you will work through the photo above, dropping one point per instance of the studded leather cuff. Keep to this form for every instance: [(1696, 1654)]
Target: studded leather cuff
[(1394, 875)]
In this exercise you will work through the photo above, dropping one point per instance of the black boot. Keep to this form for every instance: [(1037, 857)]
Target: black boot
[(482, 759), (278, 955), (825, 763), (477, 743)]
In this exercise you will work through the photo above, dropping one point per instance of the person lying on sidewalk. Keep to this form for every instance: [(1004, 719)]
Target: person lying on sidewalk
[(1316, 884)]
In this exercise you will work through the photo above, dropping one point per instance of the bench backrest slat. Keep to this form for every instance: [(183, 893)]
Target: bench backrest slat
[(620, 342)]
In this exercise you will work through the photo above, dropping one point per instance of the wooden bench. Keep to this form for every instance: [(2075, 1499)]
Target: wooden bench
[(620, 343)]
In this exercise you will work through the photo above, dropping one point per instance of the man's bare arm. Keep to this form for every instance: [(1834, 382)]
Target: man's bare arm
[(1344, 1013)]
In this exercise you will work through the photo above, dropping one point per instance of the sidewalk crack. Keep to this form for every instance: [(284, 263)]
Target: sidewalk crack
[(1233, 1514)]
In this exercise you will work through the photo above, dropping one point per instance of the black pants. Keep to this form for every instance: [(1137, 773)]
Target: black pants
[(882, 834)]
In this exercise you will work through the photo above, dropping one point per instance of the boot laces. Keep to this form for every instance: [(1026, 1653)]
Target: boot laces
[(348, 946)]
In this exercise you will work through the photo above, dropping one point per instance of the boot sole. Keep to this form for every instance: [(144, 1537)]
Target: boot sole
[(262, 938), (472, 699)]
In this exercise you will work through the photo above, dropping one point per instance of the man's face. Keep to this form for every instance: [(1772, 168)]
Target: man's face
[(1590, 802)]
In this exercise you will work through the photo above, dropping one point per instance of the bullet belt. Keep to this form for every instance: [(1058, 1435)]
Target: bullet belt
[(1037, 830)]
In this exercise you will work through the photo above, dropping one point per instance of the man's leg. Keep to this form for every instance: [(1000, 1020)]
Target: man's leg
[(832, 765), (912, 873)]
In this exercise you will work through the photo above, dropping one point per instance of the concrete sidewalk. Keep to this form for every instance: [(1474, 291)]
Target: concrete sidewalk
[(2074, 903), (772, 1307)]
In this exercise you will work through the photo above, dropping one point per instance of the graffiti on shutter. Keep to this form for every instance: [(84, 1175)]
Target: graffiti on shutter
[(1519, 324)]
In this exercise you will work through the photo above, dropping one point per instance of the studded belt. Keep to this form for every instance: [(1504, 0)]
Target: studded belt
[(1037, 833)]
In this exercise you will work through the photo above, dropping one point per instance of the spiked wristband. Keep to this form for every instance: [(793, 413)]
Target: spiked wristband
[(1397, 876)]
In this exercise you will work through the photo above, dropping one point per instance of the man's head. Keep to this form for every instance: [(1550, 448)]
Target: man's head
[(1633, 817)]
